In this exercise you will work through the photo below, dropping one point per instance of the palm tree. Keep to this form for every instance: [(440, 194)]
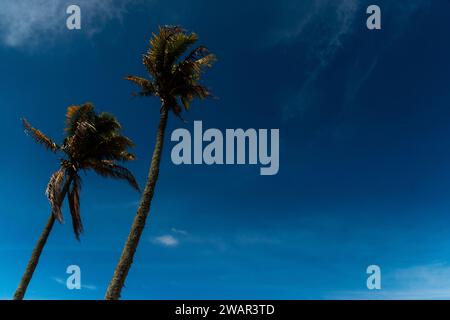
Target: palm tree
[(92, 142), (174, 79)]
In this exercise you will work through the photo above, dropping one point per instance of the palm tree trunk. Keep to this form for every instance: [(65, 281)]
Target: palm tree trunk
[(126, 259), (37, 251)]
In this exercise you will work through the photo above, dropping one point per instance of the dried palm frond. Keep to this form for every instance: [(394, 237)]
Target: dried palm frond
[(74, 205), (53, 192), (77, 115), (39, 137)]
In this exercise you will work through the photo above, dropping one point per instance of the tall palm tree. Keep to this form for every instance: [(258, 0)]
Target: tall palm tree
[(92, 142), (174, 79)]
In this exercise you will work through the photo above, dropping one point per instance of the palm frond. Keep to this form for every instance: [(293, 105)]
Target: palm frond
[(40, 137), (155, 58), (206, 61), (197, 53), (188, 92), (53, 192), (111, 148), (74, 206), (106, 122), (192, 69), (186, 102), (75, 144), (161, 43), (107, 168), (78, 114), (178, 45), (147, 88)]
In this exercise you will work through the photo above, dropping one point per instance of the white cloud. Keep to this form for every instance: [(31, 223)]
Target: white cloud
[(25, 23), (169, 240), (166, 240)]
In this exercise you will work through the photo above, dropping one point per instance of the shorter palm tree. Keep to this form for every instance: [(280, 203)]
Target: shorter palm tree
[(92, 142)]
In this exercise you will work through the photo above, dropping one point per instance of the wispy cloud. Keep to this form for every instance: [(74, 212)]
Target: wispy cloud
[(320, 24), (324, 28), (220, 243), (83, 286), (179, 231), (25, 23), (166, 240), (89, 286), (323, 47)]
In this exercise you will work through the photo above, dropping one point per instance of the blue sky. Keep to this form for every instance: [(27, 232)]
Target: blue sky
[(364, 177)]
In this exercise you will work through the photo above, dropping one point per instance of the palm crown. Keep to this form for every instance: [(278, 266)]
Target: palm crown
[(174, 75), (92, 142)]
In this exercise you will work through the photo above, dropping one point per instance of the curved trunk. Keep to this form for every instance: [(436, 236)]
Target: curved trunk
[(126, 259), (37, 251)]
